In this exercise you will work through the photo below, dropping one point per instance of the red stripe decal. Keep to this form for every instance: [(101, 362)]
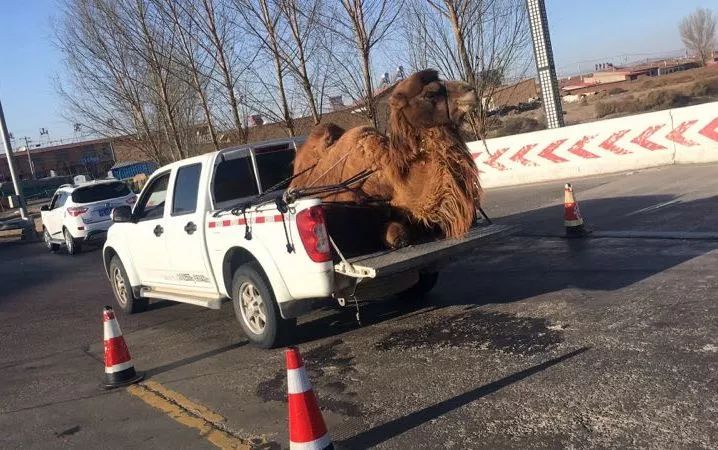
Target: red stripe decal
[(116, 351), (278, 218), (259, 219), (520, 156), (241, 222), (212, 224), (226, 223), (305, 417), (108, 315)]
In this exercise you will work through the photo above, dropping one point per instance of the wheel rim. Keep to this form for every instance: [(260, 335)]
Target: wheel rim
[(48, 239), (252, 307), (118, 282), (68, 242)]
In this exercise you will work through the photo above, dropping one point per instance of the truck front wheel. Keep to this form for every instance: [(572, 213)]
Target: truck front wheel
[(256, 308), (123, 290)]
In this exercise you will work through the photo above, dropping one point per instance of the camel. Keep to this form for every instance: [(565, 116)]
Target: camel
[(423, 169)]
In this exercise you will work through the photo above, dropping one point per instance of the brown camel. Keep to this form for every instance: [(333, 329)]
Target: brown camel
[(423, 169)]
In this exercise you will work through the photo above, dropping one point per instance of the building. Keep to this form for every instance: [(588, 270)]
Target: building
[(92, 158)]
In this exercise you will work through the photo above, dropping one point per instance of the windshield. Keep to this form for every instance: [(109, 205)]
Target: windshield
[(99, 192)]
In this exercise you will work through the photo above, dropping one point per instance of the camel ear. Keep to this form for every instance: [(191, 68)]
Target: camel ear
[(398, 100)]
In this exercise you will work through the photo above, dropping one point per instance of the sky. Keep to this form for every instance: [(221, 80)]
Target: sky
[(582, 33)]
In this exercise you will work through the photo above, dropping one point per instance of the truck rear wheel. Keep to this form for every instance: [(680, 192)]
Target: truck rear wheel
[(426, 283), (256, 309)]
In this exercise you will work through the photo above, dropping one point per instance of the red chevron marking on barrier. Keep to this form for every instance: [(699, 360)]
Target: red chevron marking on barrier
[(711, 130), (677, 136), (548, 152), (520, 156), (475, 157), (493, 160), (643, 138), (579, 149), (610, 143)]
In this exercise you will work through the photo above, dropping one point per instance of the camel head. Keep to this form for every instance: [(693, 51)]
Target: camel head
[(425, 101)]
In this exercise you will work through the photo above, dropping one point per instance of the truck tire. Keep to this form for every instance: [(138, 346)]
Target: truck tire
[(73, 245), (426, 283), (47, 239), (122, 289), (256, 309)]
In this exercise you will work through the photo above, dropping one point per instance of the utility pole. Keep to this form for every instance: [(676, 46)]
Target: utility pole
[(11, 163), (29, 157)]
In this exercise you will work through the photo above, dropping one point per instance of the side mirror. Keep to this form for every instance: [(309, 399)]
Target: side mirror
[(121, 214), (45, 208)]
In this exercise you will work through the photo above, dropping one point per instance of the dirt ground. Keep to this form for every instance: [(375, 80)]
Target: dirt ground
[(581, 112)]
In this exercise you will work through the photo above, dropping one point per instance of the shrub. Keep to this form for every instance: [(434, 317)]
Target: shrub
[(517, 125), (664, 99), (705, 88)]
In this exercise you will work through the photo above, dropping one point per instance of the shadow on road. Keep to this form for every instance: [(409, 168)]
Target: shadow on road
[(518, 268), (389, 430), (192, 359)]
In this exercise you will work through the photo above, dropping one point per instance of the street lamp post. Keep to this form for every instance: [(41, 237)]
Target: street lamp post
[(543, 54), (11, 163)]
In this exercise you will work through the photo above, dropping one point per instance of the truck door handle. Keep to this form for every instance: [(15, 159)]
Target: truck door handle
[(190, 228), (158, 230)]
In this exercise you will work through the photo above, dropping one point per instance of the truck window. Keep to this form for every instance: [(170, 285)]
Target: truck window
[(152, 203), (234, 180), (184, 200), (274, 165)]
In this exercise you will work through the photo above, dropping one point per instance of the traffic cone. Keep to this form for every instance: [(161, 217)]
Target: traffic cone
[(572, 214), (307, 430), (119, 370)]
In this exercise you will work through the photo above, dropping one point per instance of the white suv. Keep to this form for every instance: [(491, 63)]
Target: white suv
[(81, 213)]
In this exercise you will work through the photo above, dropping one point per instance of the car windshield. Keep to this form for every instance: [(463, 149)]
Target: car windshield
[(99, 192)]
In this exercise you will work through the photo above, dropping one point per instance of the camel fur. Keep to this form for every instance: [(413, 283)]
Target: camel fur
[(423, 169)]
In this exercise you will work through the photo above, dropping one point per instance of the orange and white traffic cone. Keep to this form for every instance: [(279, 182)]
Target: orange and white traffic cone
[(119, 370), (572, 219), (307, 430)]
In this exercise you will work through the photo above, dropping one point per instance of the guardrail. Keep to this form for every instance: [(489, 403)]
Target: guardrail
[(675, 136)]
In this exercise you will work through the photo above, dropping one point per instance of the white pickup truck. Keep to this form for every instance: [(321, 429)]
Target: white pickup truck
[(209, 228)]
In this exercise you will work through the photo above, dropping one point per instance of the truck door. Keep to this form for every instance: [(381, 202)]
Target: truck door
[(147, 242), (186, 246)]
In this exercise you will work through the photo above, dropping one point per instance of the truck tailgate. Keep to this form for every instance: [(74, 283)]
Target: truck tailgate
[(394, 261)]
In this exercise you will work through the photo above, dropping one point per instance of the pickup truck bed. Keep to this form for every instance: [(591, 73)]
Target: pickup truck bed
[(390, 262)]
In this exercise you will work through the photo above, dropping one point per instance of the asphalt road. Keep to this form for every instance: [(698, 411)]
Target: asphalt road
[(534, 341)]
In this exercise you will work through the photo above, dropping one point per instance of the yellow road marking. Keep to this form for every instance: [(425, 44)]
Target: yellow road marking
[(188, 413)]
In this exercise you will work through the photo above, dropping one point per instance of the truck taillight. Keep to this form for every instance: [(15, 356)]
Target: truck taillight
[(75, 211), (313, 232)]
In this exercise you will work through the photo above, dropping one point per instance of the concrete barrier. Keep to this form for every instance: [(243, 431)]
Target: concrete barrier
[(676, 136)]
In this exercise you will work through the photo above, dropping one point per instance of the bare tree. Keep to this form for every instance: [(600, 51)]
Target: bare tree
[(262, 20), (301, 49), (192, 58), (124, 77), (698, 32), (361, 26), (216, 27), (483, 42)]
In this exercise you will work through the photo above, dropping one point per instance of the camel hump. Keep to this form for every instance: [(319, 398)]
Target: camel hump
[(325, 134)]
